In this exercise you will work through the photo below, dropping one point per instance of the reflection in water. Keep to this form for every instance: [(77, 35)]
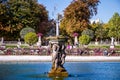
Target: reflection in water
[(76, 70), (44, 76)]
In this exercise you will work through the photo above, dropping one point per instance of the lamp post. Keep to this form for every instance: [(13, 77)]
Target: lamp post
[(57, 28), (59, 17)]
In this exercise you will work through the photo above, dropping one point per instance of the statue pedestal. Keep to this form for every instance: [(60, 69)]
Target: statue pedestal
[(59, 72), (56, 39), (112, 46), (38, 44), (96, 43)]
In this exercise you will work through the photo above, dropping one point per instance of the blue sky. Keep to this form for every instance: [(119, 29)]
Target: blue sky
[(106, 8)]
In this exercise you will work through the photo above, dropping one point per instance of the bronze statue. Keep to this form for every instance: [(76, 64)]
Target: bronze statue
[(55, 49), (58, 59)]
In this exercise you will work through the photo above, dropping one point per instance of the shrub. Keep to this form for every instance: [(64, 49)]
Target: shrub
[(31, 38), (26, 30), (88, 32), (84, 39)]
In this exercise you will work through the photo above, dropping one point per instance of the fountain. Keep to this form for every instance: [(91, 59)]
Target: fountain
[(58, 59), (58, 54)]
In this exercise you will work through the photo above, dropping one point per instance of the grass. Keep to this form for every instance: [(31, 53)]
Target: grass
[(15, 46), (101, 46), (89, 46), (92, 47)]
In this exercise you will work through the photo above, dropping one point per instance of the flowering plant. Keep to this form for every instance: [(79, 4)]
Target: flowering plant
[(39, 34), (75, 34)]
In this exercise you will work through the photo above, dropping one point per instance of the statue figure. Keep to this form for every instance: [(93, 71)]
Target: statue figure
[(58, 59), (55, 49), (19, 43), (58, 55), (2, 40), (112, 41), (63, 54)]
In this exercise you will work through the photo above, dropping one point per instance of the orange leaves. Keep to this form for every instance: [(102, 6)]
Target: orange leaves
[(77, 15), (8, 28)]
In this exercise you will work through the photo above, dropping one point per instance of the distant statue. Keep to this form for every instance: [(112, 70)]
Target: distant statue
[(2, 40), (19, 43), (112, 41), (2, 44)]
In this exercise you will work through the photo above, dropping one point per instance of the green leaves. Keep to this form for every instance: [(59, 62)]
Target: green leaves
[(18, 14), (26, 30), (84, 39), (31, 38), (114, 26), (88, 32)]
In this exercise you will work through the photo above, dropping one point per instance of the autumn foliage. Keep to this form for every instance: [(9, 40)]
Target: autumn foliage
[(77, 15), (18, 14)]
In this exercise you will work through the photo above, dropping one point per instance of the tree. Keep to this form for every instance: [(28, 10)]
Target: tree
[(114, 26), (77, 15), (88, 32), (15, 15), (100, 30), (26, 30), (84, 39), (31, 38)]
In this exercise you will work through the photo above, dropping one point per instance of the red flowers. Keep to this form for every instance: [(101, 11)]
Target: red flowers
[(75, 34), (39, 34)]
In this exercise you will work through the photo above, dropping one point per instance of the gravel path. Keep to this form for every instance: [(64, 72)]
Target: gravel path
[(32, 58)]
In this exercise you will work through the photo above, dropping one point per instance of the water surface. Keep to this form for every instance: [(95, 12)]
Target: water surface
[(76, 70)]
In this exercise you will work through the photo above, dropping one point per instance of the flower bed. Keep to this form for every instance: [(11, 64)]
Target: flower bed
[(93, 52), (73, 51), (25, 51)]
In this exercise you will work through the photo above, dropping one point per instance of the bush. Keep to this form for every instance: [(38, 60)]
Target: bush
[(26, 30), (31, 38), (84, 39), (88, 32)]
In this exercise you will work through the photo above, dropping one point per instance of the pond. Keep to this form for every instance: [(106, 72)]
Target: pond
[(76, 70)]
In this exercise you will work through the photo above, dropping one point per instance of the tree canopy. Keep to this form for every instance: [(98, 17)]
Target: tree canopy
[(114, 26), (26, 30), (18, 14), (31, 38), (77, 15), (88, 32), (84, 39)]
